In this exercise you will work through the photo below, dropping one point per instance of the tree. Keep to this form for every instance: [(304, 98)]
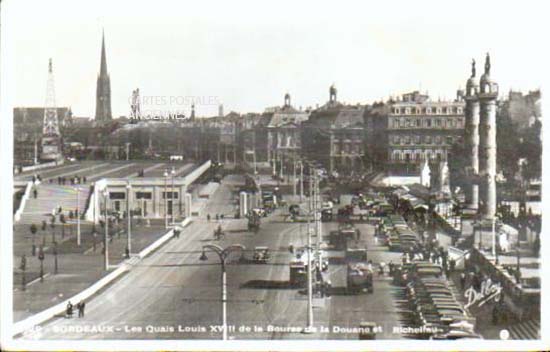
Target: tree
[(531, 150), (508, 144), (458, 163)]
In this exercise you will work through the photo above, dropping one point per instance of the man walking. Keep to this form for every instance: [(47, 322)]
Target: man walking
[(81, 306)]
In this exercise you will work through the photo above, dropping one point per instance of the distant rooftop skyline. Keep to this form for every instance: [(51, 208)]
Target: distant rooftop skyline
[(214, 53)]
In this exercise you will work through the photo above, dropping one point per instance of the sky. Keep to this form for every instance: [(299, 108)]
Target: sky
[(246, 55)]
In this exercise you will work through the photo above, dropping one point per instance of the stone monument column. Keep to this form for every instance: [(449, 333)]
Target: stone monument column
[(488, 144)]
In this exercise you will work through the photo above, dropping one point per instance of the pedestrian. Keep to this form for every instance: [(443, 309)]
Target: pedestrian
[(462, 280), (382, 266), (127, 253), (207, 217), (291, 248), (35, 193), (58, 180), (83, 179), (81, 309), (60, 210), (69, 310), (33, 179), (390, 266), (452, 265)]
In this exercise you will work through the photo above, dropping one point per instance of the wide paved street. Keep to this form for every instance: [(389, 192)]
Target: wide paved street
[(173, 290)]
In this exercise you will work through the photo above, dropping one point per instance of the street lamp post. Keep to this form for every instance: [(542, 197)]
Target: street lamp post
[(106, 234), (55, 257), (41, 258), (294, 178), (494, 250), (172, 173), (129, 215), (78, 242), (222, 254), (301, 181), (165, 200)]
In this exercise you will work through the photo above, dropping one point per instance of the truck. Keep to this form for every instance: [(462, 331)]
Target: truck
[(359, 278), (359, 274), (253, 221), (338, 239), (298, 273)]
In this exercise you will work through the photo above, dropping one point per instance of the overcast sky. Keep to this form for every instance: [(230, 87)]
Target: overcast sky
[(246, 55)]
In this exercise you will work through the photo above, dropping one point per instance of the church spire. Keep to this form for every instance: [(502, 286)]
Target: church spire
[(103, 68), (103, 92)]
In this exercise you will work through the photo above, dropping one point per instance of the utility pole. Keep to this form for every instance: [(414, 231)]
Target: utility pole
[(281, 172), (301, 181), (129, 215), (318, 228), (309, 326), (165, 200), (173, 174), (106, 235), (78, 242), (294, 178)]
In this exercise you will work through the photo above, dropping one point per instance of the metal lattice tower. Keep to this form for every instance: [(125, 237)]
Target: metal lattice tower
[(135, 106), (51, 122)]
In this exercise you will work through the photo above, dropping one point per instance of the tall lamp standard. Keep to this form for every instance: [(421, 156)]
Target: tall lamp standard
[(129, 214), (106, 234), (78, 216), (165, 199), (173, 174), (222, 254), (301, 181)]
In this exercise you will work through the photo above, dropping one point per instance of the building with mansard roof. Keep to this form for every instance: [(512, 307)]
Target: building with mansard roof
[(414, 128)]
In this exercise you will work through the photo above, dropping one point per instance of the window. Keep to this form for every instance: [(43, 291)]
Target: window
[(407, 111), (437, 139), (117, 195), (428, 139), (396, 139), (428, 122), (449, 140), (407, 123), (407, 139), (437, 123), (417, 139), (438, 111), (169, 195), (460, 123), (444, 110), (451, 123), (429, 110), (395, 123), (397, 111), (459, 110), (144, 195), (417, 111)]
